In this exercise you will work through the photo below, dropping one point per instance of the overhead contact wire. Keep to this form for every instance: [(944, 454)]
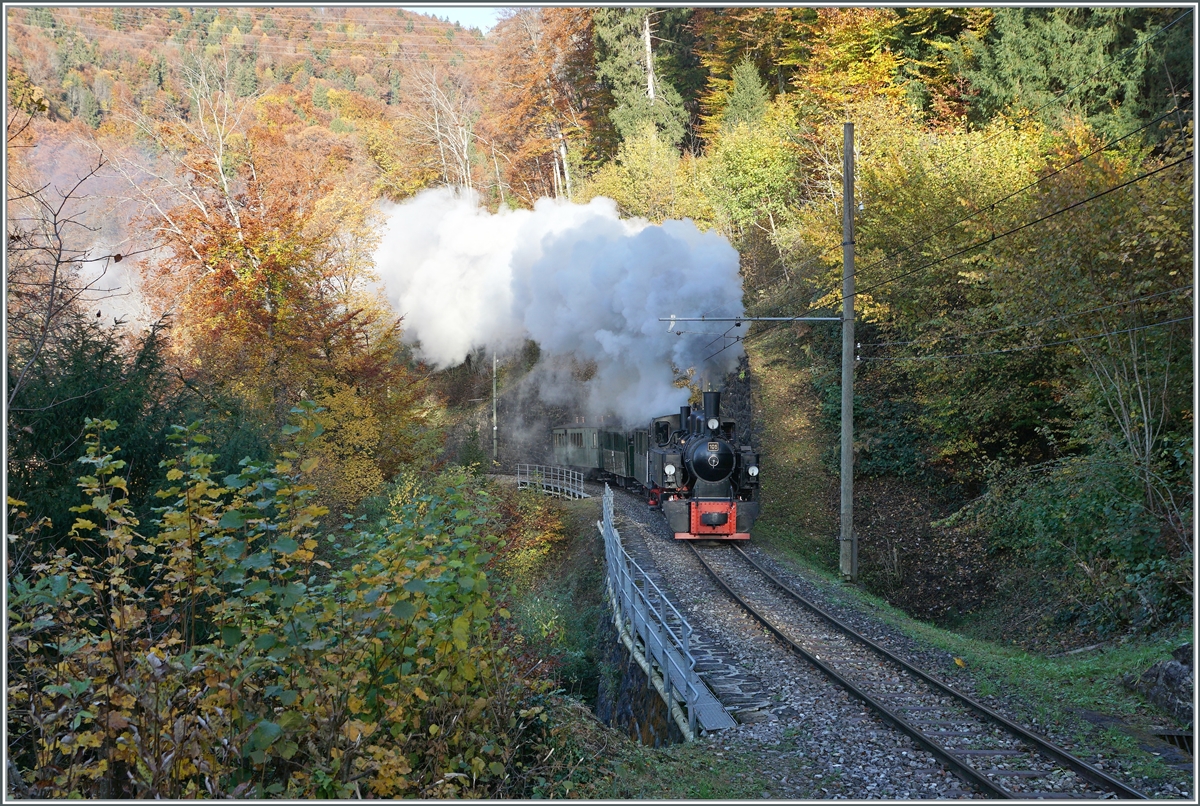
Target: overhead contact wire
[(1026, 225), (991, 205), (993, 238), (1026, 347), (1057, 99), (1072, 315)]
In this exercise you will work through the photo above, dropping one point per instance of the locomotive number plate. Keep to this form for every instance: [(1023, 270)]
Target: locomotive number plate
[(714, 446)]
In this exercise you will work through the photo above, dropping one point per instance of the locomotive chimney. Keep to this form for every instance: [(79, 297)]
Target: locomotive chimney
[(712, 406), (685, 414)]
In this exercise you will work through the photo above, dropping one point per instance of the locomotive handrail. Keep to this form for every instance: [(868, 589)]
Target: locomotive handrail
[(550, 479), (629, 590)]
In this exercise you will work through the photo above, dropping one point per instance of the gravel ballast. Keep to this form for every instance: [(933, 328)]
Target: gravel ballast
[(810, 738)]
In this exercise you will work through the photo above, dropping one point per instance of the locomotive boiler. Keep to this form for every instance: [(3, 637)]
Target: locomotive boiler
[(704, 479)]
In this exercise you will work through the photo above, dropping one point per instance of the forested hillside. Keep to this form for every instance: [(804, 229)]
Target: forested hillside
[(240, 562)]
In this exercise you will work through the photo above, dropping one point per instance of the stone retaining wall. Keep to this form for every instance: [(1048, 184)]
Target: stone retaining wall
[(627, 700)]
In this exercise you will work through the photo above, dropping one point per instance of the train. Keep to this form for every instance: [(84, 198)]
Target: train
[(693, 466)]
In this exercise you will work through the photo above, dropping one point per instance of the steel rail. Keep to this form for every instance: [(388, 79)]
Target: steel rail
[(1041, 745), (959, 767), (1044, 746)]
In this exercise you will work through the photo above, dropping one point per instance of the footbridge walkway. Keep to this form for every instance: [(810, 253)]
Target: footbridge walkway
[(560, 481)]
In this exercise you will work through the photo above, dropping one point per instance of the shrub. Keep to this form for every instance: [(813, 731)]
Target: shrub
[(232, 650), (1085, 518)]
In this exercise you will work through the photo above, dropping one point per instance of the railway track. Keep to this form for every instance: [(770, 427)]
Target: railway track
[(995, 755)]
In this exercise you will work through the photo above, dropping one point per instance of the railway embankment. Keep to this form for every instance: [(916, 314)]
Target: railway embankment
[(811, 739)]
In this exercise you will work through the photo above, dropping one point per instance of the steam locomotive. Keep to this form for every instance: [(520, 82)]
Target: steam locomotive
[(691, 465)]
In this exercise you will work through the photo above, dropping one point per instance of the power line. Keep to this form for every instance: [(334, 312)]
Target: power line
[(381, 23), (736, 340), (722, 335), (1014, 230), (281, 47), (1028, 347), (81, 24), (991, 239), (959, 336), (977, 244), (992, 205)]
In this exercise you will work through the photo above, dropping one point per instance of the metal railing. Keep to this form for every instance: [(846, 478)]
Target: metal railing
[(559, 481), (643, 610)]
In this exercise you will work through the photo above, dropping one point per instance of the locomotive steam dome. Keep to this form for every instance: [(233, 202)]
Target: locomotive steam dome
[(710, 459)]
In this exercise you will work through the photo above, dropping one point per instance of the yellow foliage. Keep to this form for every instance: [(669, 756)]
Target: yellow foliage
[(650, 180), (406, 165), (345, 471), (849, 61)]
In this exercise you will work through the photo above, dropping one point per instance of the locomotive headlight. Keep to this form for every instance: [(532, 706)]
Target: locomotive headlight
[(752, 470), (669, 470), (714, 424)]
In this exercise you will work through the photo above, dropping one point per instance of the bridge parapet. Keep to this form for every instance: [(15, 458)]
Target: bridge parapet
[(560, 481), (657, 635)]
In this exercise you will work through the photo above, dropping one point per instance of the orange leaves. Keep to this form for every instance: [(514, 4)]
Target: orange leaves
[(544, 95), (851, 58)]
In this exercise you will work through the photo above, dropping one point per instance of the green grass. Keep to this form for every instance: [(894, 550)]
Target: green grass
[(797, 515), (697, 771), (1055, 689)]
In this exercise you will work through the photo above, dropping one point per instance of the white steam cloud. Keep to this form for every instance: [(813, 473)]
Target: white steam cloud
[(577, 279)]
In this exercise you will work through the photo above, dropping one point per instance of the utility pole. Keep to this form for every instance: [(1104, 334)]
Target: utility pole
[(495, 434), (849, 541)]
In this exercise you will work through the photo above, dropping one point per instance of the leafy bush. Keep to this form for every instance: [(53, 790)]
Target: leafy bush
[(1086, 517), (217, 654)]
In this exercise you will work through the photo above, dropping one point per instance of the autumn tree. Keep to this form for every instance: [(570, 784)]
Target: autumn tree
[(268, 228), (752, 176), (444, 112), (543, 121), (650, 179)]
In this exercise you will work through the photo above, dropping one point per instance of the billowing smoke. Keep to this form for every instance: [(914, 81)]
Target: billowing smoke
[(577, 279)]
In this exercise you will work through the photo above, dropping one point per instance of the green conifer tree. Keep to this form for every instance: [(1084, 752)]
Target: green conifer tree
[(41, 16), (245, 80), (320, 96), (747, 98), (1086, 62), (622, 67)]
